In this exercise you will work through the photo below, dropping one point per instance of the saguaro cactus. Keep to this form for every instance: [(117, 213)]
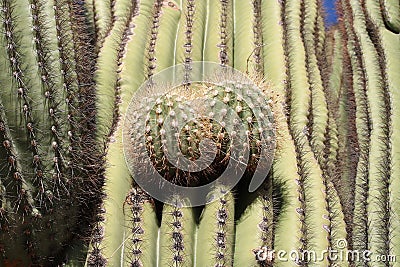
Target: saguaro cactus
[(372, 76), (50, 173), (74, 149), (300, 167)]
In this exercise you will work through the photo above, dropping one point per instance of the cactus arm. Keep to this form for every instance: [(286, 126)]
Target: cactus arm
[(21, 88), (55, 105), (108, 62), (47, 53), (215, 235), (218, 41), (349, 146), (37, 129), (25, 87), (379, 153), (177, 237)]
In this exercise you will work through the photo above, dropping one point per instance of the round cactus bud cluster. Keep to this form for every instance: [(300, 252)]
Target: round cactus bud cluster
[(194, 132)]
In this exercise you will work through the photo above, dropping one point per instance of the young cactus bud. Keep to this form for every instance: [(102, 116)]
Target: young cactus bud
[(193, 133)]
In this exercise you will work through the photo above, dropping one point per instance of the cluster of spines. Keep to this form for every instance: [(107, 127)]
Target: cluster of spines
[(224, 32), (15, 181), (215, 232), (133, 12), (51, 94), (95, 257), (375, 196), (67, 62), (222, 256), (266, 225), (258, 39), (188, 46), (135, 201), (302, 112), (151, 53), (190, 9), (177, 237), (363, 130), (25, 103)]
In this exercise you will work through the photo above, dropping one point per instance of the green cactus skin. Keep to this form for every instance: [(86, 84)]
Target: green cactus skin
[(218, 41), (390, 11), (311, 174), (108, 65), (363, 125), (215, 235), (375, 218), (285, 165), (190, 37), (143, 229), (248, 36), (177, 236), (111, 248), (318, 114), (254, 229), (387, 46), (47, 153), (103, 13)]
